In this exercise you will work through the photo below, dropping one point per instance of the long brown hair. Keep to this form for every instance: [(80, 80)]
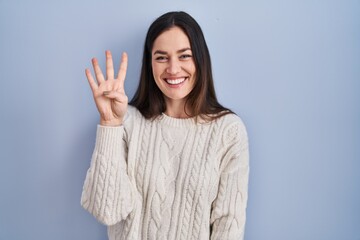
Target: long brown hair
[(202, 101)]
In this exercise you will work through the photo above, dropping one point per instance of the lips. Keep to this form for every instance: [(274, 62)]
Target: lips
[(175, 81)]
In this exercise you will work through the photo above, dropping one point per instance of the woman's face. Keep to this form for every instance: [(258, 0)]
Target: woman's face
[(173, 64)]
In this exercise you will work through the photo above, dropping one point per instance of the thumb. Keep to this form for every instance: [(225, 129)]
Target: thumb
[(117, 96)]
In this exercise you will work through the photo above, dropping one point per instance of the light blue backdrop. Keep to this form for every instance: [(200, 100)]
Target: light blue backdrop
[(290, 69)]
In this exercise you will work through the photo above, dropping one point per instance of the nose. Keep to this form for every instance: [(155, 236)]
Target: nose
[(173, 67)]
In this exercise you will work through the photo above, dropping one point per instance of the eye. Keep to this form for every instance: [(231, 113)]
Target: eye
[(185, 56), (161, 58)]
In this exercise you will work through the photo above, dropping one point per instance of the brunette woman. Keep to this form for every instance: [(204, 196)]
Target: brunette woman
[(173, 163)]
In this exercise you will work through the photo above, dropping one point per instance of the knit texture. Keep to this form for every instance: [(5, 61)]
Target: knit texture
[(169, 178)]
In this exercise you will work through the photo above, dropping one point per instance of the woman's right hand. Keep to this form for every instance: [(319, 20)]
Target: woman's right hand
[(109, 94)]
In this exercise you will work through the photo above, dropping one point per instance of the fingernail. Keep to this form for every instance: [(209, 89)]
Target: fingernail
[(106, 92)]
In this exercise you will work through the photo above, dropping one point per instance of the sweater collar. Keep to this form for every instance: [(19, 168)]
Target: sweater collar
[(176, 122)]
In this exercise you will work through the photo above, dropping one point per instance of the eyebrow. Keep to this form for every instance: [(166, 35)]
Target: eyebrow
[(164, 53)]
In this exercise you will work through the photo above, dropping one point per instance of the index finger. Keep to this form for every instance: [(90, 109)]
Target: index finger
[(122, 70)]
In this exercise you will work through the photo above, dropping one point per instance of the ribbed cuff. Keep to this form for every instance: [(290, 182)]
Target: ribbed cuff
[(109, 140)]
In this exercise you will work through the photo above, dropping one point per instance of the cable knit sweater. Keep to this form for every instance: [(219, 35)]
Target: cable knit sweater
[(169, 178)]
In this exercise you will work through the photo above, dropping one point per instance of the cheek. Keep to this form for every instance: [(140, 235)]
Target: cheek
[(191, 67), (156, 70)]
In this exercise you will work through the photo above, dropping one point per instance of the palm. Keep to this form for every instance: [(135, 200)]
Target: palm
[(109, 94)]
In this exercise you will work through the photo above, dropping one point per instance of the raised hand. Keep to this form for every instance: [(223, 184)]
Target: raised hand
[(109, 94)]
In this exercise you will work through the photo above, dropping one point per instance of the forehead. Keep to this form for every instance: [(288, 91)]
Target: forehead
[(171, 40)]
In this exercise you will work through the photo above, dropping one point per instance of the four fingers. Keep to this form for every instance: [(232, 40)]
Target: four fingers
[(109, 88), (119, 83)]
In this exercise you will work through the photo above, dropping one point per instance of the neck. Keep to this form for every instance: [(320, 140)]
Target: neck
[(176, 109)]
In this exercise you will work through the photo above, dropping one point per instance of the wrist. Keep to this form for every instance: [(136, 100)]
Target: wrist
[(111, 123)]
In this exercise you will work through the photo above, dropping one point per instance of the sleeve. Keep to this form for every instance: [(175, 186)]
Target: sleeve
[(228, 214), (107, 192)]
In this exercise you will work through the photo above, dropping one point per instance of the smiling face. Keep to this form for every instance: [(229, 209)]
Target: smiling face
[(173, 65)]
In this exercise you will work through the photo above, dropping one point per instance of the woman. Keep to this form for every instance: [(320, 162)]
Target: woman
[(174, 163)]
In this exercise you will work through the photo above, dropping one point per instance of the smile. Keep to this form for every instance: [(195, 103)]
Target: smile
[(175, 81)]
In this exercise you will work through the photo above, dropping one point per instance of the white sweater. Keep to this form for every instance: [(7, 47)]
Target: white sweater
[(169, 178)]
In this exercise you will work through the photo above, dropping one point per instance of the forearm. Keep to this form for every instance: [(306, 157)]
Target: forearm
[(228, 215), (229, 212), (107, 191)]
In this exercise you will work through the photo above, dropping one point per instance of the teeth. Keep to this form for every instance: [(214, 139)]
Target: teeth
[(175, 81)]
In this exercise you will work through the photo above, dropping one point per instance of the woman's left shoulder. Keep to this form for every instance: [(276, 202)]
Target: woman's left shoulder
[(233, 127), (232, 119)]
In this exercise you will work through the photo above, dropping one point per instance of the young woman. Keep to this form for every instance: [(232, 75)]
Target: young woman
[(174, 163)]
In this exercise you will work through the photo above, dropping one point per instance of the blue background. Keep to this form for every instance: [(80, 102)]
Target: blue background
[(290, 69)]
